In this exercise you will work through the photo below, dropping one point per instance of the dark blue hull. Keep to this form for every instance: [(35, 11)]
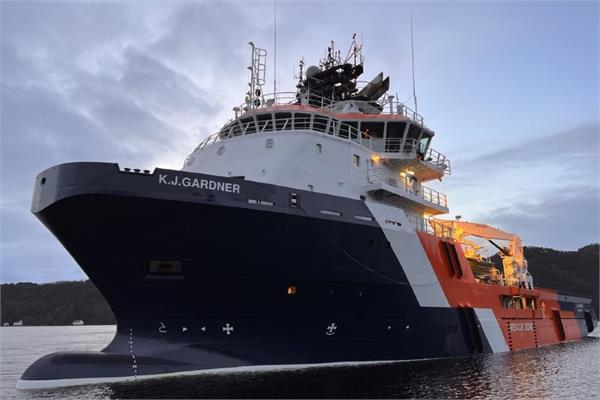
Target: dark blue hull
[(223, 300)]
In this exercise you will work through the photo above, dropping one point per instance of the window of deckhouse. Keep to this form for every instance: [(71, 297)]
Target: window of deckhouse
[(394, 134), (320, 123), (334, 127), (248, 125), (265, 122), (372, 129), (283, 121), (518, 302), (349, 129), (414, 132), (425, 139), (395, 130), (301, 121)]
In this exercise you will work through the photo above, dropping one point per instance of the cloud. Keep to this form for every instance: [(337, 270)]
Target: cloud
[(573, 149), (565, 220), (544, 188), (142, 83), (78, 88)]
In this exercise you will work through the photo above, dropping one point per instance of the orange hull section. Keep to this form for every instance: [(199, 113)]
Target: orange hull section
[(522, 328)]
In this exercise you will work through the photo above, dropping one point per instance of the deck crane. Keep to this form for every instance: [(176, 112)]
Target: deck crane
[(513, 261)]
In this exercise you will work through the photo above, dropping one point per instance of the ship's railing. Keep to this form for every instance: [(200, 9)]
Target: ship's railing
[(430, 226), (331, 126), (438, 229), (386, 105), (412, 148), (407, 183)]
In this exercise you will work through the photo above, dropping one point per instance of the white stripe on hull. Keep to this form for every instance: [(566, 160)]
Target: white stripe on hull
[(491, 329), (411, 255)]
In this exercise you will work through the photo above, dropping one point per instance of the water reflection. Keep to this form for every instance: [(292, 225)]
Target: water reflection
[(569, 370)]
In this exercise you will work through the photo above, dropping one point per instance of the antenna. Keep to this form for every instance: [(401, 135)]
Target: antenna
[(274, 47), (412, 51)]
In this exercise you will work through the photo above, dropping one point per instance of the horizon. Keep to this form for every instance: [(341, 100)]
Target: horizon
[(511, 90)]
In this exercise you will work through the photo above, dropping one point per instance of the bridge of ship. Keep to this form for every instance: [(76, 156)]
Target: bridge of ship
[(391, 131)]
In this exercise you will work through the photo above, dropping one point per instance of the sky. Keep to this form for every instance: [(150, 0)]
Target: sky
[(510, 88)]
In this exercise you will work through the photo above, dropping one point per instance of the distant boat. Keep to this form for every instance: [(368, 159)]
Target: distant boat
[(6, 324), (78, 322), (18, 323)]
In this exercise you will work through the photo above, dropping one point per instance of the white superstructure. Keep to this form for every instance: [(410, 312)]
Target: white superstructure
[(351, 145)]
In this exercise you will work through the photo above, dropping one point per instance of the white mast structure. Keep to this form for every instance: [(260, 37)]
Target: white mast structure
[(412, 51)]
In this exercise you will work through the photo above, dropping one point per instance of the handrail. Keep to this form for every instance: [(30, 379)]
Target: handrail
[(408, 184), (387, 105), (330, 126), (430, 226)]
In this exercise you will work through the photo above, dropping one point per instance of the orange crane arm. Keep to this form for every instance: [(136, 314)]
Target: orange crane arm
[(461, 229)]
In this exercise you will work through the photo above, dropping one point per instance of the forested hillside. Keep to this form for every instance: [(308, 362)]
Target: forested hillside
[(575, 272), (58, 303)]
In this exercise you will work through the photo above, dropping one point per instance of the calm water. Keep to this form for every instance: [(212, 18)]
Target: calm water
[(569, 371)]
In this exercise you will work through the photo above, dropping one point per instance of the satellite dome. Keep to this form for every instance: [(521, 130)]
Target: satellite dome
[(312, 71)]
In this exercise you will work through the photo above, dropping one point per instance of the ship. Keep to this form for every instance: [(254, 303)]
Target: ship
[(300, 234)]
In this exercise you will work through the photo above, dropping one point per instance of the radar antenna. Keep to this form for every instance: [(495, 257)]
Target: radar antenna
[(255, 96), (355, 52)]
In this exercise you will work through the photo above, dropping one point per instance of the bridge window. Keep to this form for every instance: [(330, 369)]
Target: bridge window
[(423, 143), (395, 130), (414, 131), (283, 121), (334, 127), (248, 126), (373, 129), (301, 121), (320, 123), (349, 129), (265, 122)]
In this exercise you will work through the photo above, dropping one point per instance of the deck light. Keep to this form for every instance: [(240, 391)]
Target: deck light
[(291, 290)]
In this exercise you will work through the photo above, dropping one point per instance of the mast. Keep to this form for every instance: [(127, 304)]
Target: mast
[(412, 51), (274, 47)]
